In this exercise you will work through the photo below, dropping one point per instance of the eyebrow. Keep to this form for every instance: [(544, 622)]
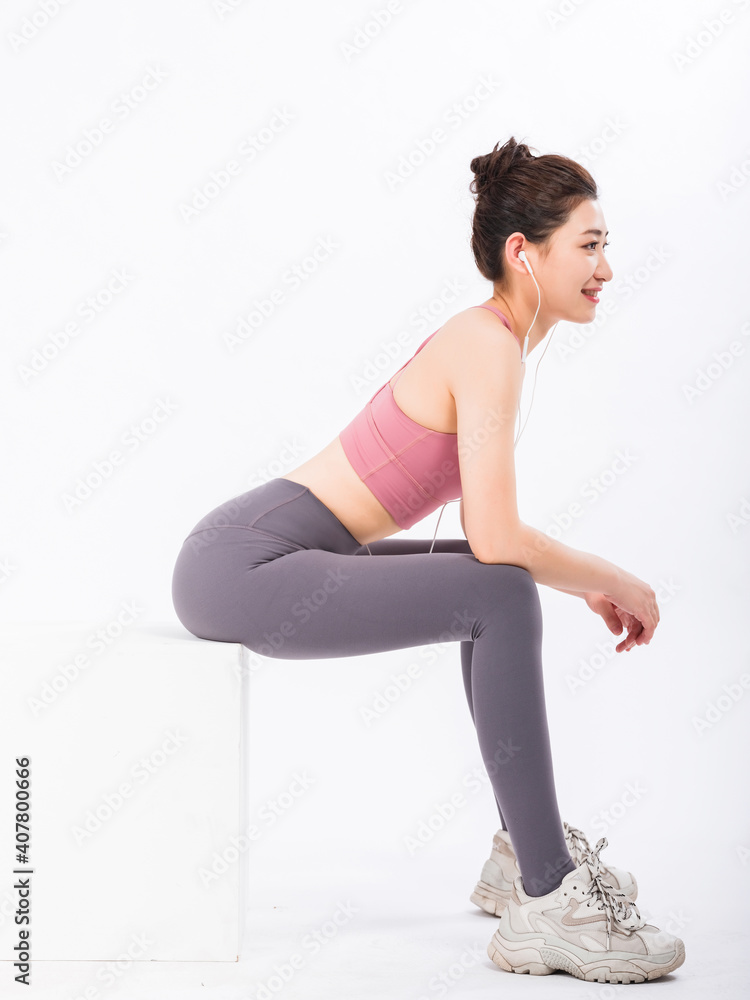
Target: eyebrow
[(596, 232)]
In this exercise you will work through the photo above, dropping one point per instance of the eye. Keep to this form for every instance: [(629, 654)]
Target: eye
[(594, 243)]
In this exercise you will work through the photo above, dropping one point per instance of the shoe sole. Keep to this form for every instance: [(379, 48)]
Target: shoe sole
[(537, 958)]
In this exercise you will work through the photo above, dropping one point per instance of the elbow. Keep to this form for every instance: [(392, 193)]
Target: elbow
[(506, 549), (506, 556)]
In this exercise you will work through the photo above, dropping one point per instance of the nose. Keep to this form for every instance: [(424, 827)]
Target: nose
[(603, 270)]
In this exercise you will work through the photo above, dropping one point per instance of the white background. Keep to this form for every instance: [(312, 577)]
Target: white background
[(654, 103)]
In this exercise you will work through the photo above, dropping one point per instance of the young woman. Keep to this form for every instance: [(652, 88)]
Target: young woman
[(301, 567)]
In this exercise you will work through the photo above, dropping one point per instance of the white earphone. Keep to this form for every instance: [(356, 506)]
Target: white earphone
[(522, 256)]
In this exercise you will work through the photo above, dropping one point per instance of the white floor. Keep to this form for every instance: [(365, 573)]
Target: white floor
[(391, 930)]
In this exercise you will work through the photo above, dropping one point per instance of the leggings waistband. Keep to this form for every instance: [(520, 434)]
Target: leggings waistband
[(283, 509)]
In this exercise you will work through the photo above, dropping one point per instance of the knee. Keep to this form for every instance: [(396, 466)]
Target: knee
[(524, 580), (508, 575), (513, 585)]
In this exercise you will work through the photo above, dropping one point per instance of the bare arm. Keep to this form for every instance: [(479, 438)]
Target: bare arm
[(558, 565), (565, 590), (484, 378)]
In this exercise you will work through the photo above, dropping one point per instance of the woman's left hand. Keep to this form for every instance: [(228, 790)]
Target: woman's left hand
[(616, 619)]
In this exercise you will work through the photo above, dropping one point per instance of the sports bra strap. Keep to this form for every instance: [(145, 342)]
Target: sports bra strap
[(412, 357), (497, 312)]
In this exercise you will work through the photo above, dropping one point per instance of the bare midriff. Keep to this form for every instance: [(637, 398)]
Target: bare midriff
[(423, 396), (333, 481)]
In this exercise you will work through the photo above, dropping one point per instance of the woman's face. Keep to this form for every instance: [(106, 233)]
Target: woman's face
[(576, 261)]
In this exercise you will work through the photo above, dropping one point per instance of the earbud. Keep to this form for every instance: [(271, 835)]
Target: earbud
[(522, 256)]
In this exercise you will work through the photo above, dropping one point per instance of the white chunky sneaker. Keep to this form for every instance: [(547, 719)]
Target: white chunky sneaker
[(493, 889), (585, 927)]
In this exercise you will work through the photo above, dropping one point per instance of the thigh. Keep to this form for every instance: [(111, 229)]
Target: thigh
[(313, 603)]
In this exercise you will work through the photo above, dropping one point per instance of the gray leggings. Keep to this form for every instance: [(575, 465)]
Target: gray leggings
[(275, 570)]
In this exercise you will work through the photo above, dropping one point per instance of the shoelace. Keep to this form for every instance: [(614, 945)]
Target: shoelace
[(577, 842), (617, 906)]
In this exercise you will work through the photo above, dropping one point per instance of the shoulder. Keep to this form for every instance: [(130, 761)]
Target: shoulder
[(477, 327), (476, 346)]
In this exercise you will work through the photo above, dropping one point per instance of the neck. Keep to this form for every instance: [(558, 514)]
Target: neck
[(520, 312)]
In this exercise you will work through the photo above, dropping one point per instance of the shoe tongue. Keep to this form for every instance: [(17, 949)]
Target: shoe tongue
[(579, 874)]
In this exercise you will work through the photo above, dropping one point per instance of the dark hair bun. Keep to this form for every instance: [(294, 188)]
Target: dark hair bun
[(491, 167), (518, 192)]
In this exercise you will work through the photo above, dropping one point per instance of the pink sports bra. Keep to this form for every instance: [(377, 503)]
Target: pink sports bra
[(409, 468)]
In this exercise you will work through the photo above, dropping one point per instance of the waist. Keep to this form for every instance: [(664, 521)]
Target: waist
[(281, 509), (410, 484)]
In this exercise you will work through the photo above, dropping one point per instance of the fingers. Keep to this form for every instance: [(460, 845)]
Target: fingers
[(634, 637), (640, 632)]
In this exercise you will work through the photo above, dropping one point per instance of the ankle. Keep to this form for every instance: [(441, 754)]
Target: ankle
[(552, 880)]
